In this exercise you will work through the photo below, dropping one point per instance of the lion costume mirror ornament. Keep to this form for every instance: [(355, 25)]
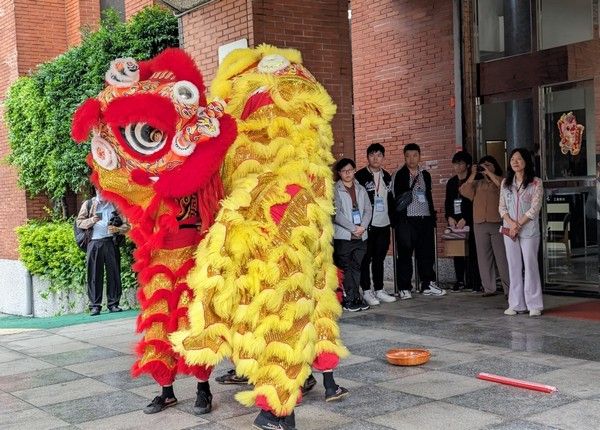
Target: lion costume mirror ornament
[(230, 205)]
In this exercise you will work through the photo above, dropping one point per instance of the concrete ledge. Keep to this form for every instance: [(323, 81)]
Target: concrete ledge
[(47, 304), (16, 300), (13, 287)]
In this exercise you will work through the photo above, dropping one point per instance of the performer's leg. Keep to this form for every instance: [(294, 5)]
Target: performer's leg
[(332, 390), (204, 398)]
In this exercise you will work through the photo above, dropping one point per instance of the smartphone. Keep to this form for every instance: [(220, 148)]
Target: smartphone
[(99, 215), (480, 169)]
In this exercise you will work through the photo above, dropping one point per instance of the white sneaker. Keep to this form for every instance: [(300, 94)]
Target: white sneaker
[(369, 297), (405, 295), (510, 311), (434, 290), (384, 297), (535, 313)]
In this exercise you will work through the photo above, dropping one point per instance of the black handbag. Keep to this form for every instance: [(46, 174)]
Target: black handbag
[(406, 198)]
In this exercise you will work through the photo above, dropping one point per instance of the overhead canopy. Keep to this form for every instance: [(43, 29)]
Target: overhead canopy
[(182, 6)]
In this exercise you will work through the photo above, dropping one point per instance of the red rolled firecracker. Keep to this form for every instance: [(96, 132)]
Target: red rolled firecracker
[(517, 383)]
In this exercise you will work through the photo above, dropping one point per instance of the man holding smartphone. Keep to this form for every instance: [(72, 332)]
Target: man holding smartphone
[(102, 253)]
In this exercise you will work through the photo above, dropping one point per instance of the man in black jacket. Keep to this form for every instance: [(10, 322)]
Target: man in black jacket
[(414, 225), (376, 181)]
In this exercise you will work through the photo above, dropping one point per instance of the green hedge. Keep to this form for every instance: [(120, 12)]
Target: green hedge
[(49, 250), (39, 107)]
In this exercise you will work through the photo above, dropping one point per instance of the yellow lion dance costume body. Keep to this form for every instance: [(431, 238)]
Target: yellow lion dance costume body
[(264, 281), (261, 289)]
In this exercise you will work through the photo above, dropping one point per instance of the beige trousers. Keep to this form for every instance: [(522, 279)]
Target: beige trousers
[(490, 249)]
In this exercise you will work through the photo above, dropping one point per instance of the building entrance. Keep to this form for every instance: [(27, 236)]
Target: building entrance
[(569, 163)]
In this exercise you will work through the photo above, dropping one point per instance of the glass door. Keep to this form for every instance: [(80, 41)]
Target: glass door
[(569, 170)]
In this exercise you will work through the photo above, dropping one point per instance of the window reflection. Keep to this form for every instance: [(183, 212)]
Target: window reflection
[(504, 28), (565, 22)]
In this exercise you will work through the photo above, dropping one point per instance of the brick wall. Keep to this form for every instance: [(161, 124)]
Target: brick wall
[(213, 25), (320, 30), (30, 36), (80, 14), (404, 84), (12, 199), (41, 32), (134, 6)]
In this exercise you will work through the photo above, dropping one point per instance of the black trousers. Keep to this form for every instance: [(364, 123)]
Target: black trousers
[(415, 234), (378, 244), (348, 256), (103, 254), (468, 266)]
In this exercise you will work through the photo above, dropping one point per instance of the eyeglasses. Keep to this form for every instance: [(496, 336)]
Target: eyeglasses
[(348, 171)]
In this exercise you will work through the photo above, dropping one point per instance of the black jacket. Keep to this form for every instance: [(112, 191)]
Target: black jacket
[(367, 180), (401, 184), (466, 207)]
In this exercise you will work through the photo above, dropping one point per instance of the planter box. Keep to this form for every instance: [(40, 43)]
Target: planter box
[(47, 304), (13, 288)]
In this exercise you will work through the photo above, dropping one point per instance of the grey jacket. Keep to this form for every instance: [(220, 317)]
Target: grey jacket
[(342, 223)]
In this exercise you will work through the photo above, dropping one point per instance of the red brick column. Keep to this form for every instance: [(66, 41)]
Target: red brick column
[(213, 25), (321, 31), (402, 57), (13, 214), (80, 14)]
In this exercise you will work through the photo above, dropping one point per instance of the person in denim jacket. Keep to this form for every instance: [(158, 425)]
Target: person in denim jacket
[(521, 197)]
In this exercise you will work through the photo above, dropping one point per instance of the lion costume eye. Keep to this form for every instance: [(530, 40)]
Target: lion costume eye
[(144, 138), (186, 93)]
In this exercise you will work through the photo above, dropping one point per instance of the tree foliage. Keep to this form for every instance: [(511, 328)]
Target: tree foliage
[(39, 107)]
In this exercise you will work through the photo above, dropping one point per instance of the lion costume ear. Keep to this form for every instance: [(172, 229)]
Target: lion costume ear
[(85, 118)]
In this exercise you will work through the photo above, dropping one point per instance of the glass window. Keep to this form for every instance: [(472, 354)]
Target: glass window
[(569, 131), (503, 28), (565, 22), (118, 5), (504, 126)]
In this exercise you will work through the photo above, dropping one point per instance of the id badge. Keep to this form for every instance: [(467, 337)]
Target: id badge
[(379, 205), (421, 197), (457, 206), (356, 217)]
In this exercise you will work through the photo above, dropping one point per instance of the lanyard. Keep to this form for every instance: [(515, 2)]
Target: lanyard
[(378, 182), (414, 179)]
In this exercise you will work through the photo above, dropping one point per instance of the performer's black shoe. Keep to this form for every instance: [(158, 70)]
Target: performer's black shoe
[(290, 420), (309, 384), (231, 378), (159, 403), (332, 395), (203, 403), (268, 421)]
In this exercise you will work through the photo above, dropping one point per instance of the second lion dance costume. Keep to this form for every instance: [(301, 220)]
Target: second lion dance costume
[(262, 288)]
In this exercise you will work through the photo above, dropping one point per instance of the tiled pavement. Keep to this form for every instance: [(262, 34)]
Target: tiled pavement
[(78, 377)]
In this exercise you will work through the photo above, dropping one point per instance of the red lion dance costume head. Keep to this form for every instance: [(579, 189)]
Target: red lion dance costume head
[(157, 147)]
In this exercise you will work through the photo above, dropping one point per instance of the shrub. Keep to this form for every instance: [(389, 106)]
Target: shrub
[(48, 250)]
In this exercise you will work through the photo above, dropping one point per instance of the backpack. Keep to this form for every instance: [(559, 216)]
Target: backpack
[(83, 237)]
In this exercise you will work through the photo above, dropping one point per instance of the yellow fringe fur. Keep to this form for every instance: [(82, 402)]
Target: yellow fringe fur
[(265, 292)]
